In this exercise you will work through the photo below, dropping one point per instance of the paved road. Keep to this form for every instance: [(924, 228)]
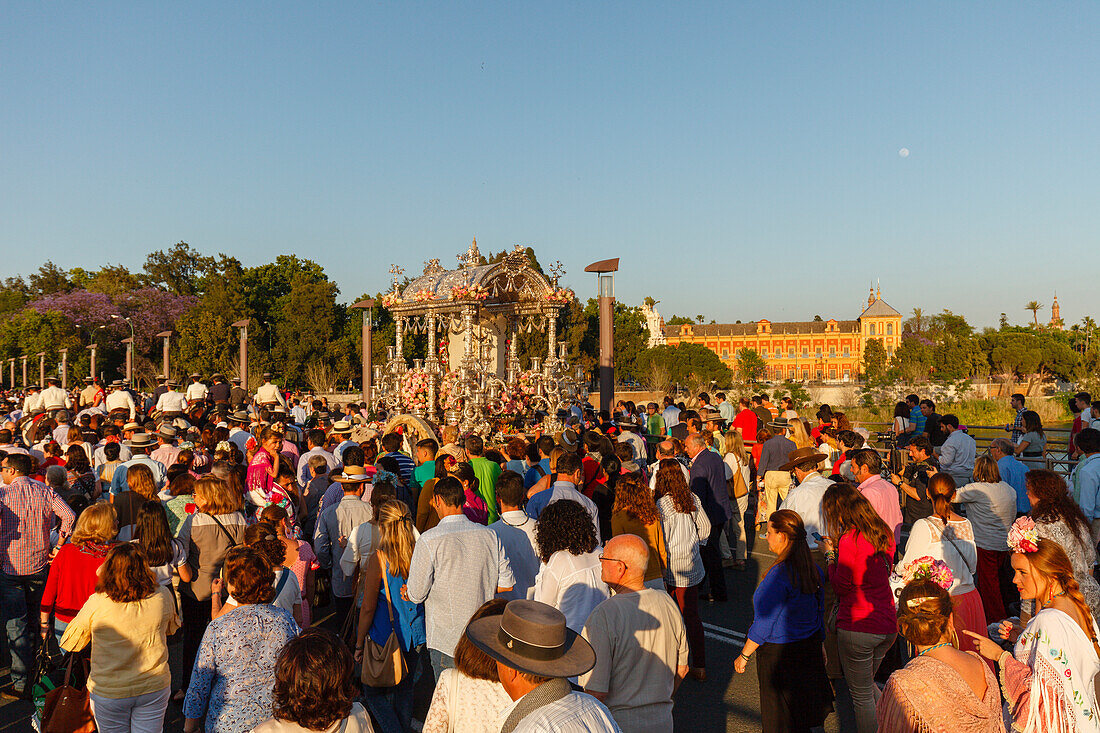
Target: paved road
[(725, 702)]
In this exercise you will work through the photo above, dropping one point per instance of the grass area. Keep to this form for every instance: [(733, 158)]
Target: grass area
[(972, 412)]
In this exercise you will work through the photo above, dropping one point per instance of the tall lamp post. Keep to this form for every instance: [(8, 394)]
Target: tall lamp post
[(64, 369), (165, 335), (243, 325), (605, 290), (91, 368), (24, 358), (129, 346), (42, 369), (368, 314)]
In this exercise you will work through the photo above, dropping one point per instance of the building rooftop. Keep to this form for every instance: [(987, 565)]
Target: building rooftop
[(750, 329)]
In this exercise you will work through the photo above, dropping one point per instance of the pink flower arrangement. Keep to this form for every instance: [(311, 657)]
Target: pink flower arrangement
[(1023, 537), (448, 395), (928, 568), (391, 299), (469, 292), (423, 295), (560, 295), (414, 390)]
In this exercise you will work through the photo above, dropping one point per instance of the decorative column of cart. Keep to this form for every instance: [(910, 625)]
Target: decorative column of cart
[(472, 316)]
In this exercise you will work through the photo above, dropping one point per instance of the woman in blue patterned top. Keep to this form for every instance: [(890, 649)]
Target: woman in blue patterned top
[(787, 629), (234, 672)]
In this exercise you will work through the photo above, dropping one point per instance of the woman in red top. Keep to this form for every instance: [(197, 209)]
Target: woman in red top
[(73, 572), (859, 565)]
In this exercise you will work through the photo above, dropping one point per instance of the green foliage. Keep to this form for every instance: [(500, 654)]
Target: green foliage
[(751, 367), (686, 364), (678, 321), (798, 394), (178, 270), (874, 359)]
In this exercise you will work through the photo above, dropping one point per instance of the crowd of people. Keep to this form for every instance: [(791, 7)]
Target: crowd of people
[(313, 567)]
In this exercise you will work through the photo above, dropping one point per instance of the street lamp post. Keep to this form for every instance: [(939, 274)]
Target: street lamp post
[(165, 335), (129, 359), (64, 369), (243, 325), (605, 279), (366, 306), (129, 346), (92, 348)]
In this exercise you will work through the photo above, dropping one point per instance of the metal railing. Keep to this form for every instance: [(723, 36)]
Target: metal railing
[(1055, 456)]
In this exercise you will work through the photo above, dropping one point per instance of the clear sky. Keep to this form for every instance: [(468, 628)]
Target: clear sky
[(744, 159)]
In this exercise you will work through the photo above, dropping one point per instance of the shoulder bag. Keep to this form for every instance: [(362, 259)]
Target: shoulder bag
[(736, 485), (67, 709), (232, 542), (384, 665)]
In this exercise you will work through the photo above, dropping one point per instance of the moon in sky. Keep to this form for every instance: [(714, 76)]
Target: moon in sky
[(903, 153)]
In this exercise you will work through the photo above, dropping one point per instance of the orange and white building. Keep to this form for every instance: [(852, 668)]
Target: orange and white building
[(807, 351)]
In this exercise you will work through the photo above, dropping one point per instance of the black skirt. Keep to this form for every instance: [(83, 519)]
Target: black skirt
[(795, 694)]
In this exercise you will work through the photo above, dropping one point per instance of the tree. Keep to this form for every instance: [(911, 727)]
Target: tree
[(699, 318), (1034, 306), (179, 270), (874, 359), (687, 364), (751, 367), (1003, 322), (918, 320), (913, 358), (50, 279), (818, 319), (678, 321)]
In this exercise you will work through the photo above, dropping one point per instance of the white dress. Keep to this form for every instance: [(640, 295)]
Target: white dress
[(471, 705)]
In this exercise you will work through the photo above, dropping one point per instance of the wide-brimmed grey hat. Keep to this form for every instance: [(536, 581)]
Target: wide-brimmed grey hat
[(240, 416), (167, 431), (532, 637), (779, 423), (140, 440)]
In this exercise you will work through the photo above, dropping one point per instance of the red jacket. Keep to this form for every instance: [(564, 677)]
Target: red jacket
[(71, 581), (861, 579)]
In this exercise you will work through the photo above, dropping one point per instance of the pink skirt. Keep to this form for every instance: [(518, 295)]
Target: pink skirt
[(969, 615)]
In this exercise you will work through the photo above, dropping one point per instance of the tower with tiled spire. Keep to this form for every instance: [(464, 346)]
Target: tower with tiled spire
[(1056, 314)]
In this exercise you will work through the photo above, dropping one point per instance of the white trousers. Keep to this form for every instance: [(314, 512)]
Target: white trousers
[(140, 714)]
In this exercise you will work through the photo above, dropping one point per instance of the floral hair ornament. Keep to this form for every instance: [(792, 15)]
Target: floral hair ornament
[(927, 568), (1023, 537), (384, 476)]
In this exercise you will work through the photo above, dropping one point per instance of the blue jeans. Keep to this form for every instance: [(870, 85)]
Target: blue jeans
[(20, 598), (440, 662), (391, 707)]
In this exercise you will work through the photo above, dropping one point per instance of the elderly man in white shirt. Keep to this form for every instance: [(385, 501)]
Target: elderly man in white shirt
[(805, 498), (665, 449)]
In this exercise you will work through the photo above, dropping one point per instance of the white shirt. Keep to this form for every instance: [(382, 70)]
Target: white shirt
[(32, 403), (671, 415), (927, 538), (54, 398), (957, 456), (577, 712), (362, 541), (240, 439), (268, 393), (196, 391), (172, 401), (299, 414), (573, 584), (338, 451), (304, 475), (120, 399), (805, 500), (516, 531)]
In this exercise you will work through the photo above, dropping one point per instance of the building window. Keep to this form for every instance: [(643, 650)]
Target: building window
[(764, 353), (847, 374), (790, 354), (832, 352), (805, 374), (846, 352), (832, 374), (805, 353), (725, 353), (872, 329), (889, 329), (817, 352)]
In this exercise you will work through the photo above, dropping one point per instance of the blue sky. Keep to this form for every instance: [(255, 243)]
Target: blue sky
[(742, 158)]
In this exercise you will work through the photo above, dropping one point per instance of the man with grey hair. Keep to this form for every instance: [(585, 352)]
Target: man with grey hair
[(665, 449), (640, 642), (1012, 472)]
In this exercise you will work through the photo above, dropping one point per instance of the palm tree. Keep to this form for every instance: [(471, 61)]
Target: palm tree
[(918, 320), (1089, 325), (1034, 306)]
